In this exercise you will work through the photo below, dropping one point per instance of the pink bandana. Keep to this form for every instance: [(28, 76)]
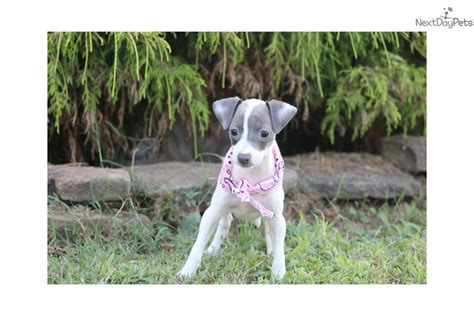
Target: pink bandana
[(243, 190)]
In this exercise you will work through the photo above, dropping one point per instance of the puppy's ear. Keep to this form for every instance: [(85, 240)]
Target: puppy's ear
[(224, 109), (281, 113)]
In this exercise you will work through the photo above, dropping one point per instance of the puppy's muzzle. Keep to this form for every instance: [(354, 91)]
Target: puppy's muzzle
[(244, 159)]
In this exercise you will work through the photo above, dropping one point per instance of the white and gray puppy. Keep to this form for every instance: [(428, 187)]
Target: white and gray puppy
[(253, 125)]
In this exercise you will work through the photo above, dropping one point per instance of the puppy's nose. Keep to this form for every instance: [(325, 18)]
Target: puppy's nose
[(243, 159)]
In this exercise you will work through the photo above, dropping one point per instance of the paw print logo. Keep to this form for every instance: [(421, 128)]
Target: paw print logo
[(446, 12)]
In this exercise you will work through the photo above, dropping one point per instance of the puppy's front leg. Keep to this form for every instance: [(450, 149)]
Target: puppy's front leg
[(206, 227), (279, 232)]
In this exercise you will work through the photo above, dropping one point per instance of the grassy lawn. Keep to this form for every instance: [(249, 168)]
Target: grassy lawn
[(359, 244)]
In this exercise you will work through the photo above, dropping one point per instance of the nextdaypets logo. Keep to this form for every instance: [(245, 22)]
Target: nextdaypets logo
[(446, 12), (445, 20)]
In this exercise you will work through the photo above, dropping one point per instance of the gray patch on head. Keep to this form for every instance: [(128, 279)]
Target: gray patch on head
[(238, 123), (259, 119)]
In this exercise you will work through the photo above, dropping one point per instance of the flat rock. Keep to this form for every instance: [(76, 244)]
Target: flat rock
[(352, 176), (290, 179), (155, 179), (406, 152), (87, 184), (81, 220)]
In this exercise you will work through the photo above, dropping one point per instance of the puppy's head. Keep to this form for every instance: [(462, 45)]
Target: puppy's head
[(253, 125)]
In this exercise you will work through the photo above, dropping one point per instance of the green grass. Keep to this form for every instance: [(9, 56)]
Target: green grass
[(361, 244)]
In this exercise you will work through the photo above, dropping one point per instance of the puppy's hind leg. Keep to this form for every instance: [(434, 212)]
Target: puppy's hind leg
[(258, 222), (206, 227), (269, 236), (221, 233)]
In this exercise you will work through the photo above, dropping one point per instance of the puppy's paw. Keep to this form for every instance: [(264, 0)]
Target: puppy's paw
[(278, 270), (212, 251), (187, 272)]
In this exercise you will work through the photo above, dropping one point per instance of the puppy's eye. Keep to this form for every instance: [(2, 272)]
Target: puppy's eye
[(264, 133), (234, 132)]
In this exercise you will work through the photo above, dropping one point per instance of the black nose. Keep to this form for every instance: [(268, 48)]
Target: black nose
[(243, 159)]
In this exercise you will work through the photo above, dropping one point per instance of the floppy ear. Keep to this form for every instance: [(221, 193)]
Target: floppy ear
[(224, 109), (281, 113)]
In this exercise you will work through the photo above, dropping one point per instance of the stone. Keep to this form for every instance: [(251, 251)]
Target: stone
[(88, 184), (290, 179), (352, 176), (81, 219), (156, 179), (406, 152)]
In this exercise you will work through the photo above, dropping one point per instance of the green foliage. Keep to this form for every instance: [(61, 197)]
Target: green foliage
[(361, 77), (231, 43), (96, 80), (391, 89), (88, 73)]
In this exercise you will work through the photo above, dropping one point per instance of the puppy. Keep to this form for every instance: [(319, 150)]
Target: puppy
[(250, 181)]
